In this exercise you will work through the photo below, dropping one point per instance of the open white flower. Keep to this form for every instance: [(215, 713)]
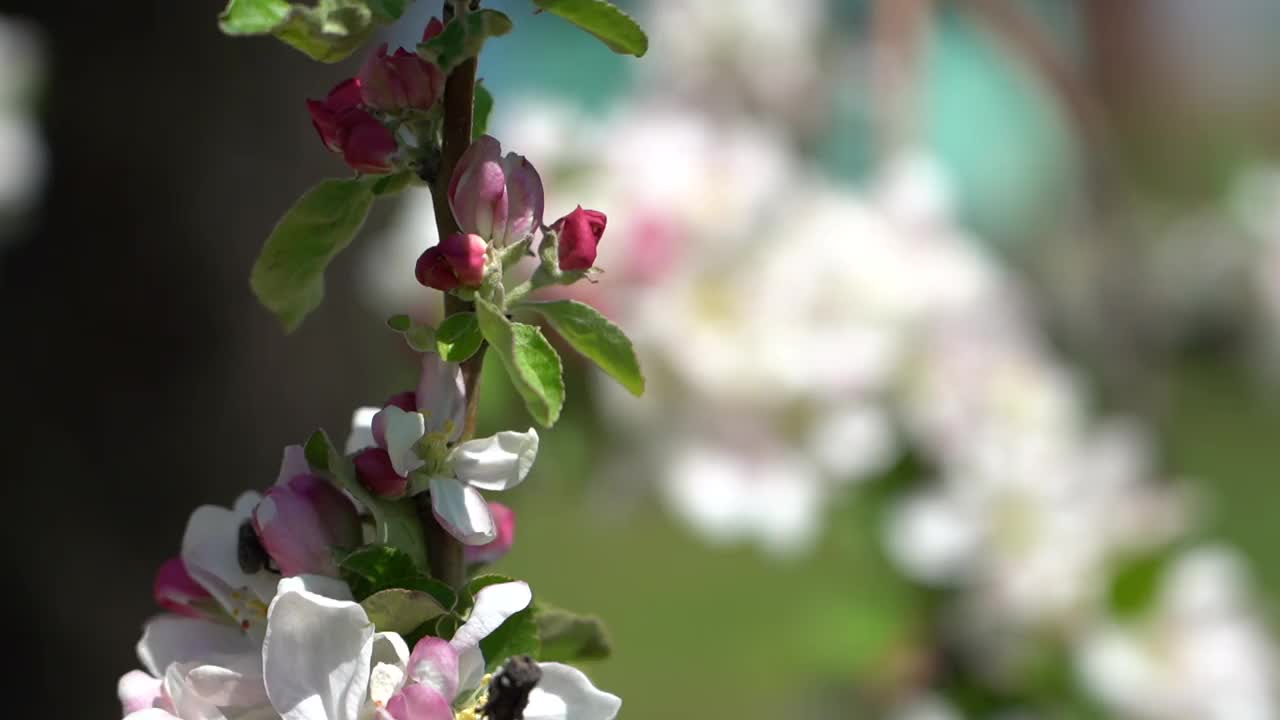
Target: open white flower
[(420, 445), (323, 661)]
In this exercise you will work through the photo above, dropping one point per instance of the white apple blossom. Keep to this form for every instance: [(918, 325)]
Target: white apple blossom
[(324, 661), (419, 444), (1203, 652)]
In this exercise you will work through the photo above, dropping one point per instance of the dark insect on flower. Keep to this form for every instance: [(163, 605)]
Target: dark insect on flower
[(249, 551), (509, 690)]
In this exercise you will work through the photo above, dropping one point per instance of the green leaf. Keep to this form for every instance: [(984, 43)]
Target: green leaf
[(517, 635), (374, 568), (400, 323), (613, 27), (400, 610), (483, 107), (421, 338), (458, 337), (395, 521), (317, 451), (593, 335), (288, 277), (389, 184), (1137, 583), (463, 38), (530, 362), (567, 637), (328, 31)]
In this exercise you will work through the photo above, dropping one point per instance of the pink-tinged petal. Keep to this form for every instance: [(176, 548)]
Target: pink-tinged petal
[(210, 552), (302, 524), (494, 604), (565, 693), (376, 474), (504, 519), (137, 691), (228, 681), (419, 702), (345, 95), (434, 663), (433, 270), (462, 511), (294, 464), (175, 590), (316, 655), (152, 714), (499, 462), (169, 639), (403, 431), (405, 401), (369, 145), (441, 396), (466, 256), (525, 199), (361, 435), (478, 189)]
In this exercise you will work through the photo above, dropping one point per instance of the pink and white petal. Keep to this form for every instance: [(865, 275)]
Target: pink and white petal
[(137, 691), (185, 703), (168, 639), (494, 604), (361, 436), (462, 511), (294, 464), (152, 714), (434, 662), (441, 396), (317, 654), (419, 702), (403, 431), (565, 693), (210, 554), (499, 462)]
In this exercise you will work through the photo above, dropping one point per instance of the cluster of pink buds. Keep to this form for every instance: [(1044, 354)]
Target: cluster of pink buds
[(353, 119)]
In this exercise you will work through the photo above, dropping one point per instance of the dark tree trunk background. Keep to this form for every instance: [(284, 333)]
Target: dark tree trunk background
[(139, 376)]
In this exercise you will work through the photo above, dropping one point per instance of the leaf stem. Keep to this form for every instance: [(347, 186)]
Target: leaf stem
[(443, 550)]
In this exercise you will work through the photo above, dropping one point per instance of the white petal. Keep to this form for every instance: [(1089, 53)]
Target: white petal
[(462, 511), (210, 553), (229, 680), (494, 604), (403, 431), (390, 648), (931, 537), (151, 714), (361, 435), (317, 654), (385, 680), (496, 463), (441, 396), (169, 639), (564, 693)]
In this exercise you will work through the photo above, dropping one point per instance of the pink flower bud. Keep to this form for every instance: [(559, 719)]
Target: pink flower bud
[(375, 471), (406, 401), (434, 28), (327, 114), (465, 255), (400, 80), (368, 146), (579, 234), (175, 590), (302, 523), (498, 198), (504, 519), (433, 270)]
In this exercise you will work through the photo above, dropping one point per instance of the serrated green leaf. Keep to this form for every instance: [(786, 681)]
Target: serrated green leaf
[(400, 323), (421, 338), (395, 521), (463, 38), (373, 568), (327, 31), (483, 108), (593, 335), (288, 277), (517, 635), (530, 362), (400, 610), (610, 25), (458, 337), (567, 637)]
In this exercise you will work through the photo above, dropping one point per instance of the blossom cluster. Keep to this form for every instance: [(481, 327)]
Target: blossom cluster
[(261, 620)]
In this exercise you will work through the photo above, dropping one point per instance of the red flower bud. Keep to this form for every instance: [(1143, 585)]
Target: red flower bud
[(579, 233), (327, 115), (374, 469), (465, 255), (400, 80), (433, 270), (369, 145), (434, 28)]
